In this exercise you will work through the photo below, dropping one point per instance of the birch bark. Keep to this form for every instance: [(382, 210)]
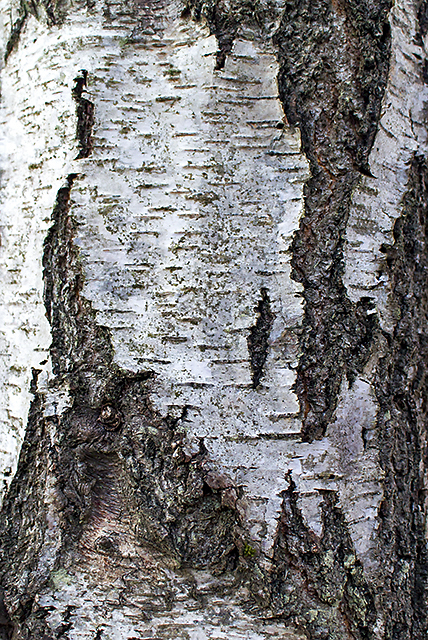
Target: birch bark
[(214, 350)]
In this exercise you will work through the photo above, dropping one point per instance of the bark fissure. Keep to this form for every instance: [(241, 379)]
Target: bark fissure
[(334, 60), (422, 16), (258, 338), (401, 389), (225, 20), (24, 523), (16, 32), (318, 580), (85, 115)]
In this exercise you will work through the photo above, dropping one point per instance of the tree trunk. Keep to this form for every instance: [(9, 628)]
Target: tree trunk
[(214, 337)]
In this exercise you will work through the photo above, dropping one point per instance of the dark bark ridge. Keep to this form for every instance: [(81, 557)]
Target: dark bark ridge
[(23, 528), (422, 16), (55, 14), (16, 30), (318, 581), (401, 389), (334, 60)]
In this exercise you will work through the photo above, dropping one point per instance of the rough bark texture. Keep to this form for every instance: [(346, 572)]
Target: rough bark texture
[(119, 525), (402, 393), (334, 60), (320, 581)]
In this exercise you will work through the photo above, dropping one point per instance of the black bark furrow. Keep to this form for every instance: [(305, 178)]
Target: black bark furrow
[(225, 20), (334, 59), (23, 526), (402, 393), (258, 338), (85, 115), (16, 32), (422, 15), (318, 581)]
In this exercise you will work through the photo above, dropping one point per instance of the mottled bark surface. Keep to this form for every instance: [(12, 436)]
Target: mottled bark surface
[(135, 510), (402, 393)]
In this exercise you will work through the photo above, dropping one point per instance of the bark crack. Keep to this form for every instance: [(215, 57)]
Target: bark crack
[(258, 338), (85, 115), (334, 60), (401, 390)]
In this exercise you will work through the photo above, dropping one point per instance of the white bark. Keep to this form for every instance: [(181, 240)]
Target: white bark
[(185, 210)]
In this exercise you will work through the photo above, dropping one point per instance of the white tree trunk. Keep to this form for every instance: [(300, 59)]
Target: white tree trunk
[(205, 462)]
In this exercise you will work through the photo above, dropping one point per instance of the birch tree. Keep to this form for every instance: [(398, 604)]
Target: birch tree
[(214, 333)]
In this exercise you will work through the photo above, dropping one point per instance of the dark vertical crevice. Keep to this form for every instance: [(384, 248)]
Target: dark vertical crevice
[(334, 60), (223, 23), (59, 243), (85, 115), (6, 627), (16, 30), (422, 15), (402, 393), (226, 19), (318, 582), (258, 338), (23, 524)]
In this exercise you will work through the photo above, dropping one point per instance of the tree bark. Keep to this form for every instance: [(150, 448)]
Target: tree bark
[(214, 341)]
